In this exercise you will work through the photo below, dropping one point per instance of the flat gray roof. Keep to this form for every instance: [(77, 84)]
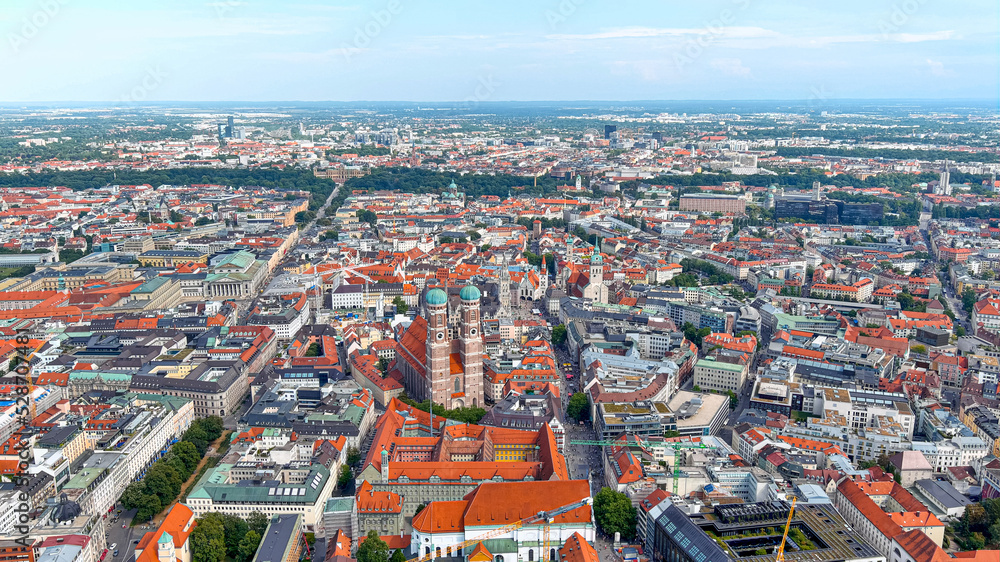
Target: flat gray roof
[(281, 531), (944, 493)]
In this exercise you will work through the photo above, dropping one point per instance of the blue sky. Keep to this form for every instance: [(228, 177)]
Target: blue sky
[(443, 50)]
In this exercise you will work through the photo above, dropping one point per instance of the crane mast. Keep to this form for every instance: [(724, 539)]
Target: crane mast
[(784, 537)]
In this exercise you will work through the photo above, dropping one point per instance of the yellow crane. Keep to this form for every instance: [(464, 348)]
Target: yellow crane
[(784, 537), (542, 516)]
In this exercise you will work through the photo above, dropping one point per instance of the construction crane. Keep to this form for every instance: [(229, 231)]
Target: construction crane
[(784, 537), (545, 517), (675, 445)]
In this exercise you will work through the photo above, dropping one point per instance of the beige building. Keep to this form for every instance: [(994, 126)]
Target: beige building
[(70, 440), (138, 244), (717, 375)]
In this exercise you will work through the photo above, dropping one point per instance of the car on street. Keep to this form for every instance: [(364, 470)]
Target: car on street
[(114, 546)]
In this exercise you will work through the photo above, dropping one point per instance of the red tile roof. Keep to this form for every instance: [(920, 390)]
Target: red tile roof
[(577, 549)]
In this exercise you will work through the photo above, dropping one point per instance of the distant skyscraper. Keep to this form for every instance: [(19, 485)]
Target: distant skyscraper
[(229, 127), (608, 129), (945, 183), (658, 136)]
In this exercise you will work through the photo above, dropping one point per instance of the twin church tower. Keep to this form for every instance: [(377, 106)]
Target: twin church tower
[(447, 370)]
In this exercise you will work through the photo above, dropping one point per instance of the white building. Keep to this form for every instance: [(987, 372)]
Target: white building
[(443, 524)]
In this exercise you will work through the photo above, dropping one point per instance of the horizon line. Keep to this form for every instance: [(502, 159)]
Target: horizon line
[(117, 103)]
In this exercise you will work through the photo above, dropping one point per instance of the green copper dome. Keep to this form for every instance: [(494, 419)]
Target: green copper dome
[(436, 297), (470, 293), (596, 259)]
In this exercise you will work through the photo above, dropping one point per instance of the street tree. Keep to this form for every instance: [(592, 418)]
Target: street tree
[(559, 335), (374, 549), (578, 407), (614, 513)]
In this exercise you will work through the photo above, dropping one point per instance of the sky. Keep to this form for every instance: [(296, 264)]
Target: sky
[(497, 50)]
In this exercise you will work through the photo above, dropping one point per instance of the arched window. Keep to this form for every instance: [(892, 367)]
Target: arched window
[(552, 555), (531, 554), (427, 550), (458, 385), (498, 558), (437, 552)]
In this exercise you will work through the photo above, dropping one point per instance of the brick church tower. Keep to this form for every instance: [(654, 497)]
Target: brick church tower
[(438, 365), (470, 349)]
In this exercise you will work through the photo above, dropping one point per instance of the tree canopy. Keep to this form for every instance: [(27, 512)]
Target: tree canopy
[(614, 513), (559, 335), (578, 407), (374, 549)]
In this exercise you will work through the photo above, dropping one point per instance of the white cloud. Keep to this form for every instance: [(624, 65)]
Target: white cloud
[(748, 37), (921, 37), (734, 32), (732, 67), (937, 68)]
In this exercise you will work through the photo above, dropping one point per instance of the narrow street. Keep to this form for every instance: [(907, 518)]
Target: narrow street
[(244, 306)]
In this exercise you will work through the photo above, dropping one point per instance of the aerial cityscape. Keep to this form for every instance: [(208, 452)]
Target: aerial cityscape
[(341, 283)]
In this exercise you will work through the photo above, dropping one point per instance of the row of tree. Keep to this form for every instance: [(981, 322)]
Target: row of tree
[(219, 536), (294, 179), (162, 483), (410, 180), (890, 153), (956, 212), (467, 414)]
